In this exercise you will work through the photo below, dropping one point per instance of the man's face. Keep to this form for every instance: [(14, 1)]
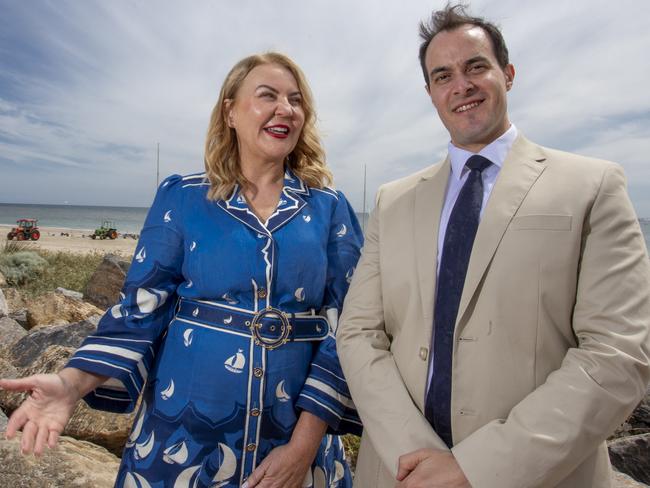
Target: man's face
[(468, 87)]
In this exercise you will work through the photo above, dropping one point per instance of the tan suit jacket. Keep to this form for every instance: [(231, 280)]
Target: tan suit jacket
[(551, 349)]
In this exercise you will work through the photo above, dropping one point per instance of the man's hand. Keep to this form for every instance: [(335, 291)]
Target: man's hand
[(430, 468)]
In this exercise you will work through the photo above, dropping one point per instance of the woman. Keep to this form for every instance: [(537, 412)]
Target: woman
[(217, 324)]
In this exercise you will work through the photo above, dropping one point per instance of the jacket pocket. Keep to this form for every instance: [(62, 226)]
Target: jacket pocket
[(541, 222)]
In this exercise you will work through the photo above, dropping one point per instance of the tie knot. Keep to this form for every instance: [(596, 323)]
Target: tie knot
[(478, 163)]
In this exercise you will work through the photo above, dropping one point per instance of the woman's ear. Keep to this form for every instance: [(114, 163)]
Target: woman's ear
[(227, 108)]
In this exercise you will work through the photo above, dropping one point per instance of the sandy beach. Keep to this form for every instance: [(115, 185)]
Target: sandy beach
[(77, 241)]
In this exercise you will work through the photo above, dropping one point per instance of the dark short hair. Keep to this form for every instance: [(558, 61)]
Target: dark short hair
[(452, 17)]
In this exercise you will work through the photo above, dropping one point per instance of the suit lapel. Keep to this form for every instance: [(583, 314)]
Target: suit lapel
[(523, 165), (429, 198)]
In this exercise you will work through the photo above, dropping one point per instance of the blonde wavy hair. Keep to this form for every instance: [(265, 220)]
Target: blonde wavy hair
[(307, 160)]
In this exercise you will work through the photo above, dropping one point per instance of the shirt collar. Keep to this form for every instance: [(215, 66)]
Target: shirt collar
[(496, 152)]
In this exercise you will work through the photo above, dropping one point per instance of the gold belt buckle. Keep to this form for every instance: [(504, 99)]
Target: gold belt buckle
[(256, 326)]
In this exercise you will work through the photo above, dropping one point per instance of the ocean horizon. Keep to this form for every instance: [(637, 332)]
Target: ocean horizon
[(127, 219)]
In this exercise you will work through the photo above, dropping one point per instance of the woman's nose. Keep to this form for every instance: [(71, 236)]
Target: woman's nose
[(284, 108)]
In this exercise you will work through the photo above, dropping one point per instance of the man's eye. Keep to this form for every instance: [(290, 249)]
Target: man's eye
[(441, 78), (477, 67)]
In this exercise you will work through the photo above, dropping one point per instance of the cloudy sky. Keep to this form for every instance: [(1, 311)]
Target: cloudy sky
[(87, 88)]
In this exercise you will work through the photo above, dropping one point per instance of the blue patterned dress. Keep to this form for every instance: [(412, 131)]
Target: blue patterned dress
[(216, 396)]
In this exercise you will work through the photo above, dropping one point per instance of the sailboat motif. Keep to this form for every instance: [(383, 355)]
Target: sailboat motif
[(306, 218), (229, 299), (189, 284), (342, 231), (282, 202), (227, 468), (144, 449), (300, 294), (192, 246), (241, 200), (236, 362), (185, 478), (320, 481), (134, 480), (168, 392), (137, 427), (309, 480), (339, 472), (176, 454), (141, 255), (228, 320), (348, 275), (280, 392), (288, 177), (187, 337), (117, 312), (195, 312), (168, 216)]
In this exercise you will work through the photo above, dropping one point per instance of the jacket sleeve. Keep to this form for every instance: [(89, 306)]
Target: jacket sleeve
[(554, 428), (325, 393), (127, 337), (391, 419)]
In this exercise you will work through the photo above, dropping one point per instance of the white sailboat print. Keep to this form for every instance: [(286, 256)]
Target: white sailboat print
[(141, 255), (280, 392), (195, 312), (339, 472), (168, 392), (149, 299), (342, 231), (348, 275), (306, 218), (176, 454), (229, 299), (168, 216), (185, 478), (134, 480), (300, 294), (187, 337), (228, 320), (227, 468), (192, 246), (144, 449), (236, 362), (309, 480), (320, 481), (137, 427)]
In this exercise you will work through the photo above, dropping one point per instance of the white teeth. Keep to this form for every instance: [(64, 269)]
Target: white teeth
[(278, 130), (464, 108)]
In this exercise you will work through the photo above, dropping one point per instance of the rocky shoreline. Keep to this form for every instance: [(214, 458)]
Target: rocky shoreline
[(38, 336)]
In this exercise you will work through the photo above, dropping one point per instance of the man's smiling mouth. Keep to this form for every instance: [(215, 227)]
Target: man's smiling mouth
[(467, 106)]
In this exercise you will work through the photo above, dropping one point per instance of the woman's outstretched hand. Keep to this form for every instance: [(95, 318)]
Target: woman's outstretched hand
[(46, 411)]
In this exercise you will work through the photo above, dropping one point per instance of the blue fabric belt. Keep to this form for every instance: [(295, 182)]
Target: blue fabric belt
[(303, 327)]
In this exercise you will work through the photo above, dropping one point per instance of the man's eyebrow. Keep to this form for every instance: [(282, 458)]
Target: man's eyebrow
[(438, 70), (477, 59)]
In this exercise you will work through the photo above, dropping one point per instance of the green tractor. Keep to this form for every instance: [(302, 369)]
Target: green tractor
[(106, 231), (27, 229)]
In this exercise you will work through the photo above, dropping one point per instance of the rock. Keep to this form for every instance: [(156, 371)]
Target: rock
[(31, 346), (109, 430), (20, 316), (7, 370), (69, 293), (638, 422), (57, 309), (15, 300), (3, 280), (10, 331), (73, 463), (103, 288), (3, 421), (621, 480), (4, 306), (631, 455)]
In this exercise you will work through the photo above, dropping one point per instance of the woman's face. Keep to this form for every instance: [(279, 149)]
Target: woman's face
[(267, 114)]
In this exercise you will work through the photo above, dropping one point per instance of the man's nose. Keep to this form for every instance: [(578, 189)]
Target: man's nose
[(463, 85)]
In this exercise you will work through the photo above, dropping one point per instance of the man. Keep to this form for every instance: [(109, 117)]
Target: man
[(496, 328)]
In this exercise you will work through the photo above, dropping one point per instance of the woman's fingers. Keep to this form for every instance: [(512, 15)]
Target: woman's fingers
[(41, 440), (29, 434), (52, 439), (16, 422), (20, 384)]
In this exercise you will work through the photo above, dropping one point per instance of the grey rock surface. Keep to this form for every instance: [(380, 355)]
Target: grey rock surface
[(4, 306), (69, 293), (10, 331), (631, 455), (103, 288)]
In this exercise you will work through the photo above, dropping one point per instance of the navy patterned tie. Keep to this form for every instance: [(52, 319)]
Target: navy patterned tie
[(456, 250)]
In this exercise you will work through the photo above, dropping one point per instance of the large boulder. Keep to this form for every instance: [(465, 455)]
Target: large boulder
[(106, 429), (24, 351), (10, 331), (621, 480), (103, 288), (15, 300), (73, 463), (4, 306), (3, 421), (57, 309), (3, 280), (638, 422), (631, 455)]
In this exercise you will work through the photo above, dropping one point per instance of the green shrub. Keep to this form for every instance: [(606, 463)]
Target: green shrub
[(21, 267), (11, 247)]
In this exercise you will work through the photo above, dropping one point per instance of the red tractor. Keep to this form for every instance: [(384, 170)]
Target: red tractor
[(27, 230)]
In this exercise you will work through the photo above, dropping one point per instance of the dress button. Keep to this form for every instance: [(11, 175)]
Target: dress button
[(255, 412), (261, 293), (251, 447), (424, 352), (258, 372)]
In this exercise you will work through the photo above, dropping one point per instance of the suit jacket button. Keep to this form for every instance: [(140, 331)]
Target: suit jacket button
[(424, 352)]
